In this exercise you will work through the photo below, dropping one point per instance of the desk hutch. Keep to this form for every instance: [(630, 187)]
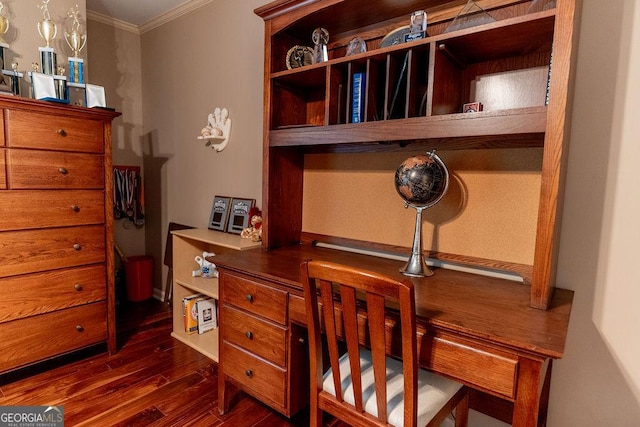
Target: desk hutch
[(497, 336)]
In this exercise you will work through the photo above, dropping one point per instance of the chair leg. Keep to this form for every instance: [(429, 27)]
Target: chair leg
[(462, 411), (315, 414), (168, 288)]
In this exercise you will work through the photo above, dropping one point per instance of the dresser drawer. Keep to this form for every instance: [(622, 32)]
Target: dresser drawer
[(22, 209), (36, 338), (44, 250), (254, 297), (27, 129), (262, 338), (260, 378), (38, 169), (32, 294)]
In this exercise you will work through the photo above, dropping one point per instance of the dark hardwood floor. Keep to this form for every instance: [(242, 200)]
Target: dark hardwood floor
[(153, 380)]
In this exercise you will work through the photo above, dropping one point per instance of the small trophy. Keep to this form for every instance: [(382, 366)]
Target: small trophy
[(76, 42), (320, 38), (47, 28), (48, 31)]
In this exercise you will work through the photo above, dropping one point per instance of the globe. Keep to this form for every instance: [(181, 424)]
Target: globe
[(422, 180)]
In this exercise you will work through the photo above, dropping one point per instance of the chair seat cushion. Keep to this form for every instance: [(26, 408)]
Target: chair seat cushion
[(434, 391)]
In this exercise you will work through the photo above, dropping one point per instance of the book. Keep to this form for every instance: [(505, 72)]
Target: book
[(207, 315), (190, 312), (357, 100)]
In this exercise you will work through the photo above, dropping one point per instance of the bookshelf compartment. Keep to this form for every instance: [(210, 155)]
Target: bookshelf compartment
[(513, 73), (299, 98)]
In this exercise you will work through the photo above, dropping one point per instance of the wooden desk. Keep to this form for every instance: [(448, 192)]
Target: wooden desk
[(478, 330)]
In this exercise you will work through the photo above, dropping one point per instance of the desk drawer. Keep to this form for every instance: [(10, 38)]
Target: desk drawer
[(40, 337), (254, 297), (38, 169), (467, 361), (35, 130), (32, 294), (257, 336), (260, 378), (44, 250), (54, 208)]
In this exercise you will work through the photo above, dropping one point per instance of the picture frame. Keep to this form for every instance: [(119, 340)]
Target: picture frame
[(239, 214), (219, 213)]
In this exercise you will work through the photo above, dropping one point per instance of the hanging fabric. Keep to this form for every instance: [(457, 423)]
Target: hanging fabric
[(128, 195)]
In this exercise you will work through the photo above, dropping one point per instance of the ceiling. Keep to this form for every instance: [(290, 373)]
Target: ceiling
[(134, 12)]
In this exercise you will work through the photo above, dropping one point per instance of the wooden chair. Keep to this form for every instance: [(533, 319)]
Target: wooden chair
[(379, 390)]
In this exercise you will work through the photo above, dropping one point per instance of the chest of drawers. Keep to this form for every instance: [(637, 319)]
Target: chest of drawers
[(56, 262)]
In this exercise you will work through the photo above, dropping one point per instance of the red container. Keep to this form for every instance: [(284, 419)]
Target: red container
[(139, 277)]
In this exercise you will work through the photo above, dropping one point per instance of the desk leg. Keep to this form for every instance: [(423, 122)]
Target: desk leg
[(527, 404)]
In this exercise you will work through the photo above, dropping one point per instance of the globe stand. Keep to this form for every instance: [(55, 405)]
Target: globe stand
[(421, 181), (416, 265)]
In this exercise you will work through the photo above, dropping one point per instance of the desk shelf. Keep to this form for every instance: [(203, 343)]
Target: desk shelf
[(187, 244)]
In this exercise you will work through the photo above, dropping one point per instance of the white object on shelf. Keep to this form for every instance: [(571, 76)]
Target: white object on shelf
[(216, 132)]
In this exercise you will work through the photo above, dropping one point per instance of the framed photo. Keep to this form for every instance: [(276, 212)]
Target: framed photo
[(219, 213), (239, 215)]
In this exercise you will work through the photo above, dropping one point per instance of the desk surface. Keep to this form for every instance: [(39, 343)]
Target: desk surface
[(495, 310)]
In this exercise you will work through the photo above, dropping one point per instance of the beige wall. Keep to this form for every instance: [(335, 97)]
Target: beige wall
[(23, 36), (115, 59), (209, 58), (213, 57)]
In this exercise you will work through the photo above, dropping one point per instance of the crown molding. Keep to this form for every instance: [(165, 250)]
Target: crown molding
[(169, 16), (174, 13), (108, 20)]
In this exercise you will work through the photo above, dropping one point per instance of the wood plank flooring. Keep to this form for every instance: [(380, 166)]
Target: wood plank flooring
[(153, 380)]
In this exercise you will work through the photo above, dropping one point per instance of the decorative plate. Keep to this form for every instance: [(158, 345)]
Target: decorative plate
[(395, 37), (299, 56)]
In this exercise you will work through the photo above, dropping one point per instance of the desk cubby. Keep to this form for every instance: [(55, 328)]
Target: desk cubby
[(187, 244)]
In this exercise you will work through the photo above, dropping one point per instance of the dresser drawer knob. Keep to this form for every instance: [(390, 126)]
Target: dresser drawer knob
[(78, 287), (249, 297), (75, 208), (248, 373), (79, 328), (77, 246), (63, 171), (62, 132), (249, 335)]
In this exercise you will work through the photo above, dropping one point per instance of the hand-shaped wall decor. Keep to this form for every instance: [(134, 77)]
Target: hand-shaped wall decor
[(217, 130)]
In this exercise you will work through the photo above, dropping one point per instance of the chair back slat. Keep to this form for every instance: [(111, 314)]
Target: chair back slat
[(331, 327), (375, 316), (350, 320)]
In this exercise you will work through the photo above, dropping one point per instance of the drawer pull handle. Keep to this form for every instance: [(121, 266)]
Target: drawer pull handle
[(77, 246), (249, 335), (78, 287), (248, 373), (63, 171), (302, 340), (249, 297), (75, 208), (79, 328), (62, 132)]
